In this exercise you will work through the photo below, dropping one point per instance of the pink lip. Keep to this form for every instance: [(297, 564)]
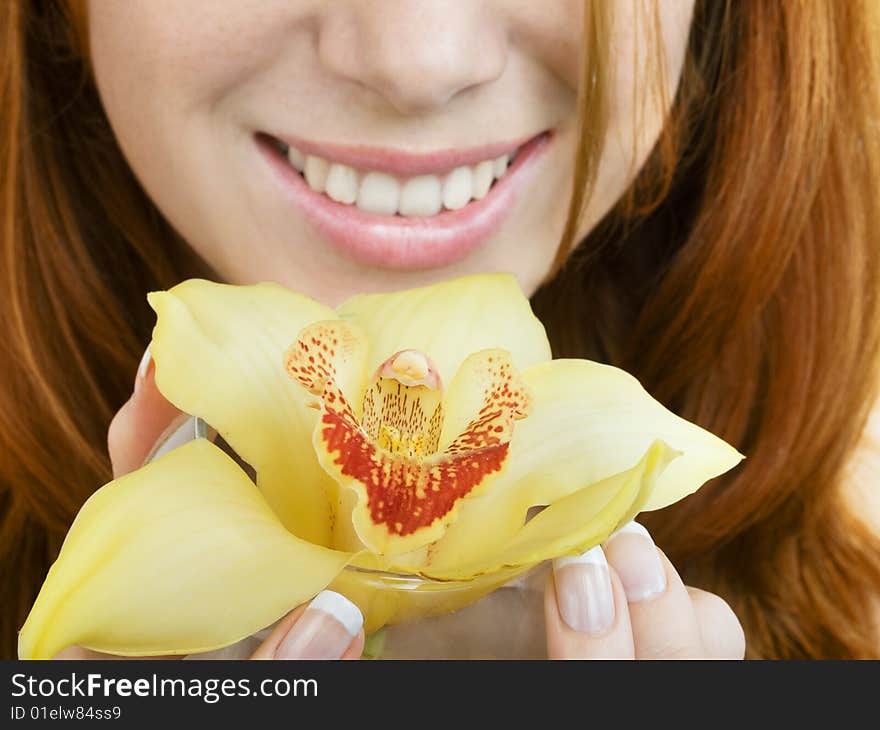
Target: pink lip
[(395, 242)]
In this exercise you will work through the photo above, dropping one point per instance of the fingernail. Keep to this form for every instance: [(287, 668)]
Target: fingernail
[(181, 430), (324, 631), (583, 591), (143, 368), (635, 558)]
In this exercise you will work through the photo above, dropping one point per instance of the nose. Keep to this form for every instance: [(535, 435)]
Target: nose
[(416, 54)]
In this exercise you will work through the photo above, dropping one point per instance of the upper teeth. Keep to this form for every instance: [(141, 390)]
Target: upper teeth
[(378, 192)]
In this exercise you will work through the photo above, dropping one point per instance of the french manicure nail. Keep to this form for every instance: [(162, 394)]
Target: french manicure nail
[(143, 368), (181, 430), (635, 558), (324, 631), (583, 591), (146, 359)]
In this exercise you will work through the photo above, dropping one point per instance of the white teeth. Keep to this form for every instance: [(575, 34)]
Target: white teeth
[(499, 165), (458, 188), (379, 193), (297, 158), (483, 176), (342, 184), (420, 196), (382, 194), (316, 170)]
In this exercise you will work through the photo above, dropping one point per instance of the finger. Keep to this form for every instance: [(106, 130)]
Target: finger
[(723, 636), (77, 652), (330, 627), (585, 611), (146, 419), (664, 623)]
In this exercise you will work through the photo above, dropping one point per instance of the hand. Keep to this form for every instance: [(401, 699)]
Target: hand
[(329, 627), (626, 601)]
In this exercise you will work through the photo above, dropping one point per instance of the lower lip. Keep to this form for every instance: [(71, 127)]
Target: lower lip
[(395, 242)]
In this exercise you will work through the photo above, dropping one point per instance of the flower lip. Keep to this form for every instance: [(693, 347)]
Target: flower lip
[(410, 367), (402, 162)]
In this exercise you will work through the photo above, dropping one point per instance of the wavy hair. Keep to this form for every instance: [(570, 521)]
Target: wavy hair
[(738, 279)]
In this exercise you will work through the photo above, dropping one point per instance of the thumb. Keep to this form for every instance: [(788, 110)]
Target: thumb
[(144, 423), (330, 627)]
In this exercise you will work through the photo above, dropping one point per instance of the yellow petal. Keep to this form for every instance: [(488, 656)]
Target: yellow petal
[(607, 420), (181, 556), (574, 523), (588, 422), (219, 353), (450, 320)]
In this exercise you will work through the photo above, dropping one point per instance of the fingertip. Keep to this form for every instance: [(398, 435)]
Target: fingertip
[(267, 649), (721, 630), (565, 642), (584, 595), (140, 422), (635, 557), (77, 653), (156, 410), (145, 367), (332, 629), (356, 649)]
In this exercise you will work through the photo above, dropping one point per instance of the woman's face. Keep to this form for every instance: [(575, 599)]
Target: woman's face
[(403, 115)]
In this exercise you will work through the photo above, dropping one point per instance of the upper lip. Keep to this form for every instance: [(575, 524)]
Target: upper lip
[(402, 162)]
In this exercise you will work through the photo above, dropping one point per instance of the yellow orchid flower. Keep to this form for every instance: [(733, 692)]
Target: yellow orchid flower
[(398, 444)]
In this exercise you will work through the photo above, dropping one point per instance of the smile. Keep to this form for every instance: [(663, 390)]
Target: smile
[(401, 210), (379, 192)]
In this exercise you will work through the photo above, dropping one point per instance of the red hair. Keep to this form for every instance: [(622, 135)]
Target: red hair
[(738, 279)]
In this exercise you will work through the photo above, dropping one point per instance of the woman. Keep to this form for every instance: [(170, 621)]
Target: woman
[(693, 198)]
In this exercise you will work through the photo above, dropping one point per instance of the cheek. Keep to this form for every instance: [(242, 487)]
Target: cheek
[(171, 76), (184, 53), (649, 42), (645, 71), (551, 32)]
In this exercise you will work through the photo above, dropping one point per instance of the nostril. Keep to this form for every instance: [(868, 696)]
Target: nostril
[(415, 56), (419, 85)]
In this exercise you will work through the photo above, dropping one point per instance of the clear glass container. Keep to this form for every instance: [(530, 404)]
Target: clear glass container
[(506, 622)]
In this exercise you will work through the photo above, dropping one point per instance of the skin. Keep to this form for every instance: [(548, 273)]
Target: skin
[(186, 85)]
